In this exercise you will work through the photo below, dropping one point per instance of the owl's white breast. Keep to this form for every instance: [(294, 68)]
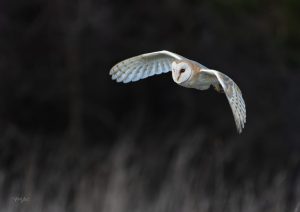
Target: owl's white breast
[(199, 83)]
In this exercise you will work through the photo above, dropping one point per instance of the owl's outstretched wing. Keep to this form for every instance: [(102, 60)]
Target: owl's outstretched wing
[(143, 66), (233, 94)]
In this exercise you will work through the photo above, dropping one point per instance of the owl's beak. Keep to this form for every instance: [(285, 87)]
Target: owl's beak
[(178, 77)]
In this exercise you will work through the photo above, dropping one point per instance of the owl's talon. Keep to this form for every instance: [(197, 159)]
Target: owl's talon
[(219, 88)]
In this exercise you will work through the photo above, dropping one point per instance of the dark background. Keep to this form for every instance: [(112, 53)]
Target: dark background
[(71, 139)]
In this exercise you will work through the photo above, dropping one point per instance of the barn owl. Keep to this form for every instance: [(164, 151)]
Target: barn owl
[(185, 72)]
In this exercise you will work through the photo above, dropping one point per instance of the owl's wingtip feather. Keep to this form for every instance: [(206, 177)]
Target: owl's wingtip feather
[(240, 127), (113, 77)]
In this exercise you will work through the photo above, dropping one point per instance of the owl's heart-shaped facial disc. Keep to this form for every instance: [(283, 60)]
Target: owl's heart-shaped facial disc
[(181, 71)]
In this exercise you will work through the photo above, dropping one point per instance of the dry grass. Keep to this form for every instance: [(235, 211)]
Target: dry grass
[(178, 175)]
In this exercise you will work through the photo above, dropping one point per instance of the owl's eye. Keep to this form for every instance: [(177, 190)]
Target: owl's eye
[(181, 70)]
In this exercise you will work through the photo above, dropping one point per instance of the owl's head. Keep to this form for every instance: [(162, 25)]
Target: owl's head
[(181, 71)]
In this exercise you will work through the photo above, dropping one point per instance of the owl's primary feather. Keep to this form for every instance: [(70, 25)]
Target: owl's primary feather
[(143, 66), (234, 96), (186, 73)]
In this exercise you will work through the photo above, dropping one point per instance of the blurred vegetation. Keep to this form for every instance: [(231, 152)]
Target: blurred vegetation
[(71, 139)]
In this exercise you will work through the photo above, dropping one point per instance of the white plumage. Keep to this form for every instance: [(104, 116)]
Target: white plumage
[(186, 73)]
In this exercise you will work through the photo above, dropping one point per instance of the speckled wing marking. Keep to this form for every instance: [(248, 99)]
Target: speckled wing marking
[(234, 96), (143, 66)]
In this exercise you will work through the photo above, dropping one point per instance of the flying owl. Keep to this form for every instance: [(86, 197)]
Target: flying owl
[(185, 72)]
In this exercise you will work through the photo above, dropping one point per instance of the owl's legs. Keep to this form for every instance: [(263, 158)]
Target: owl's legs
[(218, 88)]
